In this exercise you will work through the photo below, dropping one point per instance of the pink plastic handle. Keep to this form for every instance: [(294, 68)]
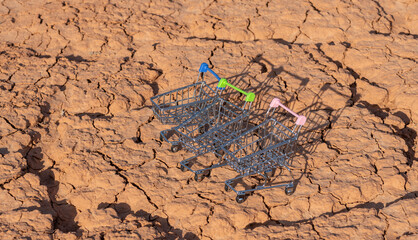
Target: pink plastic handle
[(276, 103)]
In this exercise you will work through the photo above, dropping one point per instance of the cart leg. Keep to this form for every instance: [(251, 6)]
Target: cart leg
[(165, 135), (241, 195), (267, 175), (290, 188)]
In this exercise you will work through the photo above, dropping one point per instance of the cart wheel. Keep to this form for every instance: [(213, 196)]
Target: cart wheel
[(175, 148), (227, 188), (182, 168), (161, 137), (241, 198), (289, 190), (198, 177)]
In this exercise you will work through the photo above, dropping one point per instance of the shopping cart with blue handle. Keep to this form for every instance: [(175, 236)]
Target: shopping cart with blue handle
[(176, 106)]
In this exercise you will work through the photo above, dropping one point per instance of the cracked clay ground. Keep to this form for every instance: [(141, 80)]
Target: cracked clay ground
[(80, 155)]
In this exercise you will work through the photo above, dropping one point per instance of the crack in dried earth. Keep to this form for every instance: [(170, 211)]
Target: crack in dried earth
[(80, 151)]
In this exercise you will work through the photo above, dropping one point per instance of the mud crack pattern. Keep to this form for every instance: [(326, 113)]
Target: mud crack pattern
[(80, 155)]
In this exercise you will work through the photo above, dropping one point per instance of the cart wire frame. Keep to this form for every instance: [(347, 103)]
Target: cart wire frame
[(208, 137), (215, 124), (176, 106), (207, 130), (208, 123), (261, 150)]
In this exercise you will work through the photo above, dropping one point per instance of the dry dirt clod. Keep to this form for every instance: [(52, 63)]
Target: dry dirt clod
[(80, 152)]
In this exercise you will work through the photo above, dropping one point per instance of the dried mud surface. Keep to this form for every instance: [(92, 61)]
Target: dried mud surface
[(80, 155)]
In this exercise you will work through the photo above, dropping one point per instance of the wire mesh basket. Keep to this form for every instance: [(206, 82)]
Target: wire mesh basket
[(261, 150), (176, 106), (205, 131)]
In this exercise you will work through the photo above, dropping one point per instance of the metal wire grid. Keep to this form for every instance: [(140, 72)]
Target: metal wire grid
[(263, 148), (176, 106), (209, 129)]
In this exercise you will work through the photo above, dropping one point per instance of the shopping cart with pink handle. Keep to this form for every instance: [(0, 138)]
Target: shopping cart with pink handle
[(262, 149)]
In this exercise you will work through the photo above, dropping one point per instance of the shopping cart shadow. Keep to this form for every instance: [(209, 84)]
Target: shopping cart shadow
[(270, 85), (319, 115), (314, 133)]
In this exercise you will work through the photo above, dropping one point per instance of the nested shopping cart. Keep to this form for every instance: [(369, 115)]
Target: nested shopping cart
[(260, 150), (207, 130), (175, 106)]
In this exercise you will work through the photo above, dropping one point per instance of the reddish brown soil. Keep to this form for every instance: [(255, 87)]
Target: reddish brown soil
[(80, 155)]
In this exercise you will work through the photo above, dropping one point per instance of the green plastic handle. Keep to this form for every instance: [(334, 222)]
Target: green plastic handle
[(223, 83)]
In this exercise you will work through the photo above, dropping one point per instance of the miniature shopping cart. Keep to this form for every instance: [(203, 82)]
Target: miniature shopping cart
[(261, 150), (207, 130), (175, 106)]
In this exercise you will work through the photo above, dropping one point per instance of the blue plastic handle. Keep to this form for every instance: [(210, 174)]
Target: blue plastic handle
[(204, 67)]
